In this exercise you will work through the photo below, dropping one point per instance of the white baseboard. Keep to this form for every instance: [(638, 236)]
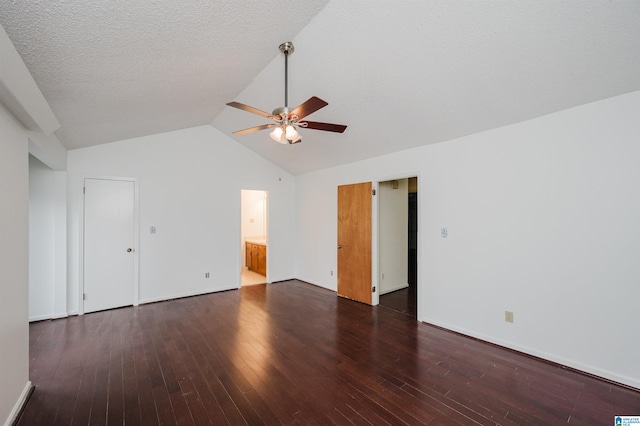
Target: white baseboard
[(392, 289), (19, 404), (48, 317), (332, 287), (40, 318), (181, 295)]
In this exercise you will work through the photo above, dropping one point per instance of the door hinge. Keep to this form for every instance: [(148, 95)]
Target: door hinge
[(373, 192), (84, 296), (373, 290), (84, 189)]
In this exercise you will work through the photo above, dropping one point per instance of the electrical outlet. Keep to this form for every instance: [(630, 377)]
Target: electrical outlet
[(508, 316), (206, 275)]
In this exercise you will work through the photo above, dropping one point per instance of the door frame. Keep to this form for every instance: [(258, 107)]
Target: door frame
[(136, 238), (375, 237)]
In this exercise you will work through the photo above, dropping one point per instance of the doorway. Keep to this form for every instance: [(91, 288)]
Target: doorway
[(398, 248), (253, 239), (47, 241)]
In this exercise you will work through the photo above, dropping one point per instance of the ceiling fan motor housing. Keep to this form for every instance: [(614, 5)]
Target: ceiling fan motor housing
[(281, 115)]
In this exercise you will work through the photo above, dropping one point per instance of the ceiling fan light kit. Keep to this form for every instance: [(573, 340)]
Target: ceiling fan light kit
[(288, 135), (287, 121)]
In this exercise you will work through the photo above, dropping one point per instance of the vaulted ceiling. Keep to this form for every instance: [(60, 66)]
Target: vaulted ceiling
[(399, 74)]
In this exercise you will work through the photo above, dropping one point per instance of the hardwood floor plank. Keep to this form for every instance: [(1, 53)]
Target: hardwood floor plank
[(82, 412), (337, 418), (115, 406), (143, 384), (262, 408), (66, 402), (278, 403), (291, 353), (100, 399), (406, 412), (130, 390)]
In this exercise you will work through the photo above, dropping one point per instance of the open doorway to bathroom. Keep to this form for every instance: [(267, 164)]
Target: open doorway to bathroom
[(254, 225)]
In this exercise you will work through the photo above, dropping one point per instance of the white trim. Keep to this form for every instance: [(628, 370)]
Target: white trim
[(48, 317), (40, 317), (136, 242), (19, 404), (266, 224), (136, 238), (396, 288), (188, 294), (239, 265), (375, 243), (80, 253)]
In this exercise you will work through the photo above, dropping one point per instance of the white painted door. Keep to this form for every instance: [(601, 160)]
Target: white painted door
[(109, 211)]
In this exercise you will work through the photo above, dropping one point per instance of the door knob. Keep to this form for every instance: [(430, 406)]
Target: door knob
[(339, 246), (129, 250)]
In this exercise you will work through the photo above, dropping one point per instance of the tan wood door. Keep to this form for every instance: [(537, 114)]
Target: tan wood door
[(354, 242)]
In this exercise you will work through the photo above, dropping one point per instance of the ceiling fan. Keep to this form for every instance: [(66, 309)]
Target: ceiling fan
[(286, 121)]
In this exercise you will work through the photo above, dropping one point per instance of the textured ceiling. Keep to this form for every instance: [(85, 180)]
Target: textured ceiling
[(116, 69), (399, 74)]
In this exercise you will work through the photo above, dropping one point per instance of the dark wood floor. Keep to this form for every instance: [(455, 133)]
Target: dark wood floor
[(292, 353), (403, 301)]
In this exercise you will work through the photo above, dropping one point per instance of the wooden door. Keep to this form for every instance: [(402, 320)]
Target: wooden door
[(247, 255), (109, 210), (354, 242), (262, 260), (254, 257)]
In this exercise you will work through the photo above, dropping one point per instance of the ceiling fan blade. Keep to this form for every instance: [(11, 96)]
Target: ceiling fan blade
[(329, 127), (254, 129), (311, 105), (249, 109)]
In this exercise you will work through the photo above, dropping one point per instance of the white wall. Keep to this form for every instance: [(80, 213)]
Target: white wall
[(543, 221), (47, 241), (14, 269), (190, 183), (41, 241), (393, 235), (48, 149)]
